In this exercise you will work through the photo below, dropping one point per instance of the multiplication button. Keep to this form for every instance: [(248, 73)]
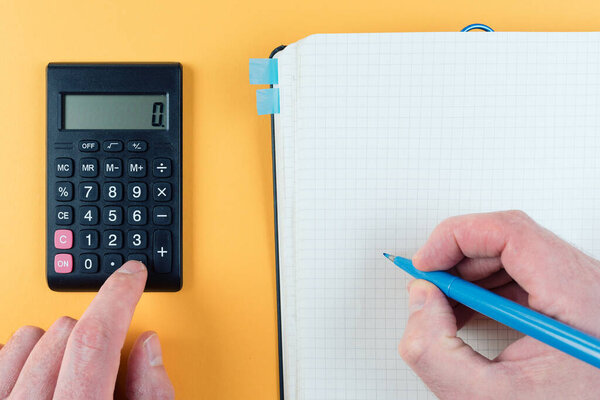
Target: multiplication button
[(161, 191)]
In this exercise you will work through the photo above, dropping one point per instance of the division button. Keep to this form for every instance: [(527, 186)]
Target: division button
[(64, 191), (88, 146), (63, 239), (63, 167), (111, 262), (89, 263), (161, 167), (161, 252), (112, 146), (63, 263), (137, 146), (161, 215), (64, 215)]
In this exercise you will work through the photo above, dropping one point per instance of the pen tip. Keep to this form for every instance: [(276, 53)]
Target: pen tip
[(391, 257)]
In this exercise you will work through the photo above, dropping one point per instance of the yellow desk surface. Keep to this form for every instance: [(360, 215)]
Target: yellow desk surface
[(219, 333)]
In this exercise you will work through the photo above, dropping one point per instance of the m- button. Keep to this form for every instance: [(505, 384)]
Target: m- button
[(113, 167)]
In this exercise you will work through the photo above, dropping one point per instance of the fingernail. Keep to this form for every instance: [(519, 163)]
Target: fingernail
[(417, 297), (131, 267), (153, 351)]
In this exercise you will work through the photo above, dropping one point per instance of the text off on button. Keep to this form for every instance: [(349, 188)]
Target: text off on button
[(63, 263)]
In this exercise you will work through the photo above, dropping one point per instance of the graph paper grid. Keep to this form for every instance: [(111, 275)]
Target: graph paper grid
[(381, 137)]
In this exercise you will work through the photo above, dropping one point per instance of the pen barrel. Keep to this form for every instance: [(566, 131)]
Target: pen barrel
[(539, 326)]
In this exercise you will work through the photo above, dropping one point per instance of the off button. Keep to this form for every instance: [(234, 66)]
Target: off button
[(89, 146)]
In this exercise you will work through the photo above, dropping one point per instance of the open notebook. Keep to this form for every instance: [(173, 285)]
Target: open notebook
[(382, 136)]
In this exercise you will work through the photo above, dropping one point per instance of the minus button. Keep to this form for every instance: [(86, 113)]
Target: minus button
[(161, 215)]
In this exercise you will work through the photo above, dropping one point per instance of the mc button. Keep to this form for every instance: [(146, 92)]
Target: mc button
[(64, 167)]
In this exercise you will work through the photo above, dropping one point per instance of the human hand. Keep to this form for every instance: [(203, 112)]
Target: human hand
[(80, 359), (508, 253)]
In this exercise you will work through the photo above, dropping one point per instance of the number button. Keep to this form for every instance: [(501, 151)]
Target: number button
[(137, 239), (112, 146), (113, 191), (113, 239), (88, 146), (111, 262), (137, 146), (136, 168), (88, 168), (88, 191), (89, 239), (161, 167), (137, 191), (112, 215), (89, 263), (113, 167), (137, 215), (161, 215), (64, 167), (89, 215), (64, 215), (64, 191), (161, 191)]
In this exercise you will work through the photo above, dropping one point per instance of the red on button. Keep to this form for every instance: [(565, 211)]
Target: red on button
[(63, 239), (63, 263)]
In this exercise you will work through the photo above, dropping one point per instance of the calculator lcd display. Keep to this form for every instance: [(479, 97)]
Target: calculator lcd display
[(115, 111)]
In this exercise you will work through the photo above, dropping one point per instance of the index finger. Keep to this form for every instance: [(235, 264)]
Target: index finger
[(91, 361), (524, 248)]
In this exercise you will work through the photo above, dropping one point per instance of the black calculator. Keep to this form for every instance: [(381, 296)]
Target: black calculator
[(114, 136)]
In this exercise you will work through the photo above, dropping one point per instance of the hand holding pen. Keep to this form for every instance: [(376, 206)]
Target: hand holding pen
[(509, 254)]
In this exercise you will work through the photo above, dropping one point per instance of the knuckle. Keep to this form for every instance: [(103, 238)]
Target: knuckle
[(517, 216), (64, 323), (90, 337), (412, 348), (29, 330)]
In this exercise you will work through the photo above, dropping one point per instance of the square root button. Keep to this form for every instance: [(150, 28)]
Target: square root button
[(63, 263)]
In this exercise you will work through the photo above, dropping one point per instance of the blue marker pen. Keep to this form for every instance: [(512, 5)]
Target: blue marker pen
[(545, 329)]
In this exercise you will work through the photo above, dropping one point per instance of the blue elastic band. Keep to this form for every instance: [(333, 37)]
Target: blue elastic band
[(263, 71), (267, 101), (483, 27)]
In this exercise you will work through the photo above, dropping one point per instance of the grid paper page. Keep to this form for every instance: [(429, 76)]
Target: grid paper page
[(391, 134)]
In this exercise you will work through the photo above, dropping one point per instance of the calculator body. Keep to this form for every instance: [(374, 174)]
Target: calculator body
[(114, 173)]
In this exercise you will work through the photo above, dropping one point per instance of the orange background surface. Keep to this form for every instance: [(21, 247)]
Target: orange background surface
[(219, 334)]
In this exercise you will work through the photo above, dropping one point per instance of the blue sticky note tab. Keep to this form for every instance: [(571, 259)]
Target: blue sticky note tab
[(267, 101), (263, 71)]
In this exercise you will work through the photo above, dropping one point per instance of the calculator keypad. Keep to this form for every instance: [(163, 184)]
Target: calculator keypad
[(106, 230)]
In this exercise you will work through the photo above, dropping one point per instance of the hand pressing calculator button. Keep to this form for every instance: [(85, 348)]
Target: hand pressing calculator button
[(114, 194)]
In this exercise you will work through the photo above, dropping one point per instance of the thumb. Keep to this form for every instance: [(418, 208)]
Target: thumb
[(146, 375), (443, 361)]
